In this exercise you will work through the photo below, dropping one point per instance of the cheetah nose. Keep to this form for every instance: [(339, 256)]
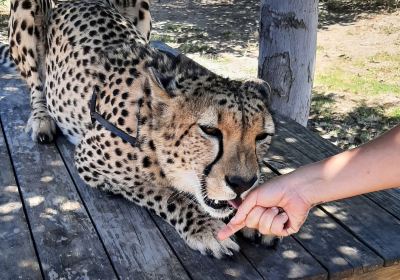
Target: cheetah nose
[(240, 184)]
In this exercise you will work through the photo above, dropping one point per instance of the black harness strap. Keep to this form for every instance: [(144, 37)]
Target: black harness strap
[(107, 125)]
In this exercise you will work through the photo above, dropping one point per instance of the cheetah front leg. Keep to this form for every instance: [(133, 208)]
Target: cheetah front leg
[(27, 48), (197, 228)]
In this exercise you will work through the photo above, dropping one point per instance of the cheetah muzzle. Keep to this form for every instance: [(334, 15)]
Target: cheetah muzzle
[(199, 138)]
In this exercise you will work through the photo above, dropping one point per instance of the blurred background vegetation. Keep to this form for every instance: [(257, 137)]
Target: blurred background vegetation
[(356, 93)]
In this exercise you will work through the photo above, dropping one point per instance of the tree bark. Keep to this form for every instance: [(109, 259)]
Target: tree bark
[(288, 38)]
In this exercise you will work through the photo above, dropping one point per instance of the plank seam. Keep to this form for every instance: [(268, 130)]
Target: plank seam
[(382, 207), (169, 244), (87, 211), (352, 233), (252, 264), (320, 263), (22, 200)]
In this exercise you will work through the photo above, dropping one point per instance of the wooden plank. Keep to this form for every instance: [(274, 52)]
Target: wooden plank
[(288, 261), (134, 243), (66, 241), (365, 219), (206, 267), (386, 273), (18, 258), (337, 249), (389, 200), (271, 264)]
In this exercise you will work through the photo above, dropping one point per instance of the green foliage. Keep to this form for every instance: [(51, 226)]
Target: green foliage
[(338, 80)]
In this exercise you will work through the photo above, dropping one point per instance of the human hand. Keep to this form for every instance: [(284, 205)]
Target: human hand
[(262, 210)]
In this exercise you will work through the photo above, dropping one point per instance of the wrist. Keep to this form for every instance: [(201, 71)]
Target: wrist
[(307, 183)]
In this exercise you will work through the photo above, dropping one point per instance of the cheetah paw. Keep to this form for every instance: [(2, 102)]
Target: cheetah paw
[(43, 128), (270, 241), (205, 240)]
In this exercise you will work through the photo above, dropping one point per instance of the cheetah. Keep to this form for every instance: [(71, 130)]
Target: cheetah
[(161, 131)]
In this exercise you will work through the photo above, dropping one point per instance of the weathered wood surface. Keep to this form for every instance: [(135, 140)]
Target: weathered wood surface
[(335, 248), (135, 245), (205, 267), (288, 40), (17, 254), (386, 273), (366, 220), (388, 200), (66, 241)]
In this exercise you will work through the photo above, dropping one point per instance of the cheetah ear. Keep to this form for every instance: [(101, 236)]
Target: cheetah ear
[(165, 81), (261, 86)]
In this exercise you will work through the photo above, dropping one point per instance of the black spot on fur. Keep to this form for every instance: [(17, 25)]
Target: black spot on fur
[(146, 162)]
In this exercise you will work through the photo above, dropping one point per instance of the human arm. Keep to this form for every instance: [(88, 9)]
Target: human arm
[(371, 167)]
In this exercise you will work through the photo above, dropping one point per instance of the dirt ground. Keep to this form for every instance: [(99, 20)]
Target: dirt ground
[(356, 92)]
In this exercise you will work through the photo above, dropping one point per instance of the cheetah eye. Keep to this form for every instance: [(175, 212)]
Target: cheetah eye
[(212, 131), (262, 136)]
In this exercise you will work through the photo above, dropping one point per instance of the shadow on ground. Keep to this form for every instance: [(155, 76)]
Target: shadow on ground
[(352, 128), (348, 11), (231, 26)]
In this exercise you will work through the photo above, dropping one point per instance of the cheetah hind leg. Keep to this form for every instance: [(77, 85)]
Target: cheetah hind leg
[(138, 12), (27, 49), (43, 127)]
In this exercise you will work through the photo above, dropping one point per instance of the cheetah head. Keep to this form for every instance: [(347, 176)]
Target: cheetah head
[(211, 134)]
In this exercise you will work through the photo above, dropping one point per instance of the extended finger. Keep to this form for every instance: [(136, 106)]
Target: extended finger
[(229, 230), (254, 217), (266, 220)]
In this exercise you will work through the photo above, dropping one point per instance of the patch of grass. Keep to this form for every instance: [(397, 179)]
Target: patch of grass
[(393, 113), (359, 124), (339, 81), (389, 29), (377, 74)]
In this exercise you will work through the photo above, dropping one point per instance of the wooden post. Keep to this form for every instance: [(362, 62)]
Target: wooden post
[(288, 37)]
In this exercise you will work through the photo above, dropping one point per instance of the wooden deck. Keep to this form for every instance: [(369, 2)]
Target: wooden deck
[(52, 226)]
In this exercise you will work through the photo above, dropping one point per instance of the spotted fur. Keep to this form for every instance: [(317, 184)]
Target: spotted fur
[(201, 137), (5, 60)]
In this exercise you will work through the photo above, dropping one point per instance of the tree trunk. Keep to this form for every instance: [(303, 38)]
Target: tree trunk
[(288, 38)]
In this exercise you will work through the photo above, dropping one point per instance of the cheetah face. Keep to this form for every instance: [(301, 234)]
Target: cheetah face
[(210, 146)]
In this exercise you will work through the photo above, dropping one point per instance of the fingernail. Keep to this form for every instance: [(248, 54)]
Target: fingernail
[(275, 210)]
